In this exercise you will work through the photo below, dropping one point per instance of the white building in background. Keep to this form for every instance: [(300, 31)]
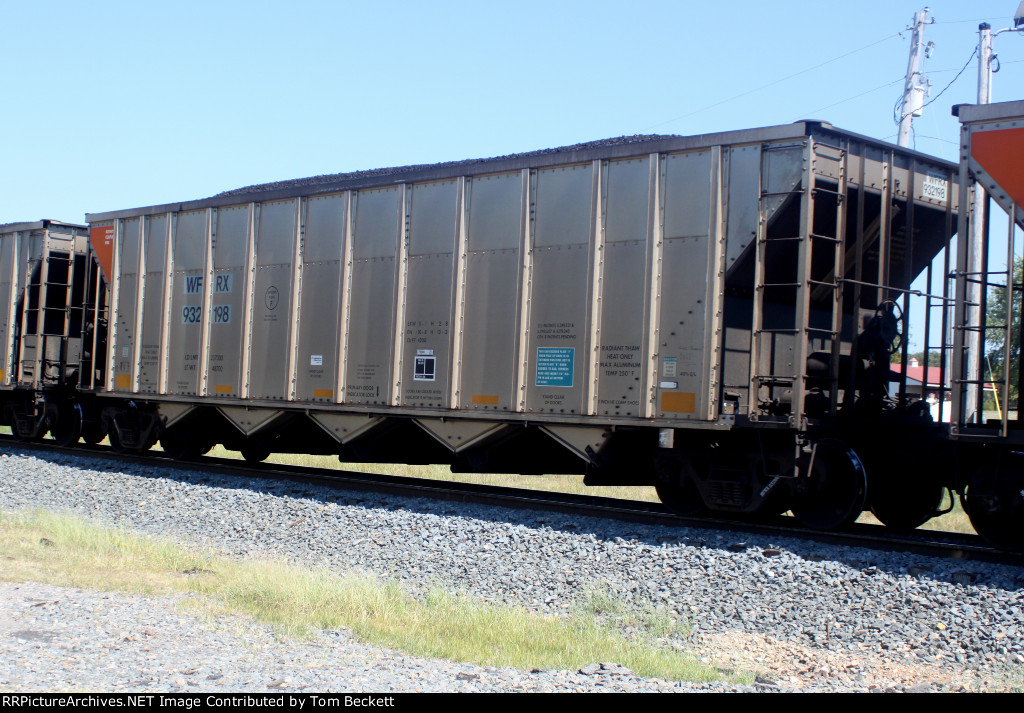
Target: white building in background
[(923, 382)]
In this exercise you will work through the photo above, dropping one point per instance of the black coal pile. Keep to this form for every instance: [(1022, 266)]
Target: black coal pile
[(398, 171)]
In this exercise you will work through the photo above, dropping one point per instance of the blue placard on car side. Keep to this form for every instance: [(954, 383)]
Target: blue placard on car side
[(555, 366)]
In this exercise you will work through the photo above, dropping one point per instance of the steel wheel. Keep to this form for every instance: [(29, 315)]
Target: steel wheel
[(180, 444), (833, 493), (994, 501), (255, 452), (904, 508), (92, 432), (681, 497), (905, 487), (66, 426)]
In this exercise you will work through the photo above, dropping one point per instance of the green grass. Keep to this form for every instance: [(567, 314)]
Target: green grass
[(554, 483), (658, 622), (68, 551)]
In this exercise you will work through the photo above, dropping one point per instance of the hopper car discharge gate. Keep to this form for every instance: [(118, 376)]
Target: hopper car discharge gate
[(714, 315)]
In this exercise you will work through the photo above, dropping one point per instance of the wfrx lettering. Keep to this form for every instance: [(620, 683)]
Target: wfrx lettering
[(221, 284)]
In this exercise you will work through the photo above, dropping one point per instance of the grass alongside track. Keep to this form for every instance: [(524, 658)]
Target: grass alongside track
[(554, 483), (67, 551)]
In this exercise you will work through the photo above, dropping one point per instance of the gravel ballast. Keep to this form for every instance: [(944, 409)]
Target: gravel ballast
[(805, 616)]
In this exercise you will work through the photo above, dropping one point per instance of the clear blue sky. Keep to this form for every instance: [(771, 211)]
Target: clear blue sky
[(116, 105)]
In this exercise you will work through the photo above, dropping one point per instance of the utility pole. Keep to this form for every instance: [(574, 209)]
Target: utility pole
[(976, 268), (915, 85), (985, 59)]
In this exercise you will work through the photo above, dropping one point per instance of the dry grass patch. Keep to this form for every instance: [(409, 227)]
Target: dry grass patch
[(70, 552), (66, 551)]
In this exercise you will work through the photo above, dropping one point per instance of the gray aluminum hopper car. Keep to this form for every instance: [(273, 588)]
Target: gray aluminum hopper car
[(43, 270), (712, 314)]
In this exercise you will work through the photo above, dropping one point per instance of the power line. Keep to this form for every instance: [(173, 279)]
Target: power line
[(933, 99), (954, 69), (961, 22), (936, 138), (855, 96), (777, 81)]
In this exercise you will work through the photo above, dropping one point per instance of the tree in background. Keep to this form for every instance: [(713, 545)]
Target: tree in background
[(934, 357), (995, 340)]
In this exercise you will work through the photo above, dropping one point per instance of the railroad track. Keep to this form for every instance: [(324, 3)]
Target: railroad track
[(929, 543)]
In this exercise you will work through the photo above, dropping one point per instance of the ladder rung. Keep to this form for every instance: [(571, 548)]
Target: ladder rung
[(995, 285), (772, 148), (840, 149), (773, 383), (779, 240), (837, 194), (990, 432), (975, 328), (782, 193)]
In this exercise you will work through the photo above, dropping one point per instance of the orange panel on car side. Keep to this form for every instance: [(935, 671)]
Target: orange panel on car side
[(102, 239), (1001, 154)]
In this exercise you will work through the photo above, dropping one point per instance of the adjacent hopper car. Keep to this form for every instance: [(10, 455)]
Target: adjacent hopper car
[(713, 315)]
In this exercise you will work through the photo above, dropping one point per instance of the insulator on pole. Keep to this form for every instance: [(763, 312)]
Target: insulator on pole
[(915, 86)]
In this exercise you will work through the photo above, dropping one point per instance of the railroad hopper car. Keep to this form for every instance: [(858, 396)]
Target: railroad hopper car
[(707, 314), (714, 315), (44, 332)]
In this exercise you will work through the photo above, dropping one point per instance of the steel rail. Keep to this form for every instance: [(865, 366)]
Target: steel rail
[(930, 543)]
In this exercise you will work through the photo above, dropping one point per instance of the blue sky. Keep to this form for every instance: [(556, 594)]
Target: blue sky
[(117, 105)]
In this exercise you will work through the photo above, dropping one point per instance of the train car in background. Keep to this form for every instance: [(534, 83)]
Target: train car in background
[(45, 334)]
